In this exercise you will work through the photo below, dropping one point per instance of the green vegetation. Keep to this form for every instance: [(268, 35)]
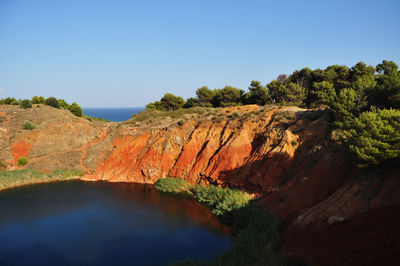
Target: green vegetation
[(93, 118), (25, 104), (349, 94), (374, 136), (53, 102), (3, 165), (22, 161), (14, 178), (256, 231), (173, 185), (75, 109), (28, 125)]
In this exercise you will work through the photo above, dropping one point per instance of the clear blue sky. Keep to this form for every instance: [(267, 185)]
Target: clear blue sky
[(128, 53)]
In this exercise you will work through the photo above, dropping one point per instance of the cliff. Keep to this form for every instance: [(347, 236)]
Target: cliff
[(287, 156)]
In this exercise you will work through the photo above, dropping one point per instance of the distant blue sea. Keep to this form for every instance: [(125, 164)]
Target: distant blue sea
[(112, 114)]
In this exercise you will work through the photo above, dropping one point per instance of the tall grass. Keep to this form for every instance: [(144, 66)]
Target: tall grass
[(14, 178), (256, 231)]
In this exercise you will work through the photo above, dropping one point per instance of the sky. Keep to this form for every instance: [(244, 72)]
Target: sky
[(128, 53)]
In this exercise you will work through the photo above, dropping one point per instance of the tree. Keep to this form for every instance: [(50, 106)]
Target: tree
[(51, 101), (258, 93), (375, 136), (38, 100), (362, 77), (63, 103), (339, 76), (321, 93), (25, 104), (75, 109), (228, 96), (191, 102), (155, 106), (172, 102), (205, 95), (291, 93)]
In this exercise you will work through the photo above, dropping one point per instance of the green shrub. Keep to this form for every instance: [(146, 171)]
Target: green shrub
[(235, 115), (3, 165), (375, 136), (294, 143), (173, 185), (75, 109), (53, 102), (28, 125), (180, 123), (22, 161), (25, 104), (221, 200)]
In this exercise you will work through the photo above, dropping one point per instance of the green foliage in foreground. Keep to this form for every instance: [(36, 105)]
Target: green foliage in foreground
[(256, 231), (22, 161), (15, 178), (221, 201), (375, 136), (173, 185)]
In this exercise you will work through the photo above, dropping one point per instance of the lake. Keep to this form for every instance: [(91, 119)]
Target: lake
[(78, 223), (112, 114)]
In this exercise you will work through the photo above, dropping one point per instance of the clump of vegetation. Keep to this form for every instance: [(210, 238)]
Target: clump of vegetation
[(221, 201), (75, 109), (28, 125), (3, 165), (15, 178), (235, 115), (53, 102), (180, 123), (22, 161), (25, 104), (374, 136), (93, 118), (256, 231), (173, 185)]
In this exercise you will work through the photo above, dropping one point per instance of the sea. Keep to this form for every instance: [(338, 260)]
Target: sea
[(112, 114)]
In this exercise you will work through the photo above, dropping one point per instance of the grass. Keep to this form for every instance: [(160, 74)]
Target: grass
[(256, 231), (14, 178)]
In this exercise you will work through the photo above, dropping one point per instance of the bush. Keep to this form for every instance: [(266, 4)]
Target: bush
[(22, 161), (375, 136), (53, 102), (173, 185), (75, 109), (235, 115), (28, 125), (25, 104), (221, 200)]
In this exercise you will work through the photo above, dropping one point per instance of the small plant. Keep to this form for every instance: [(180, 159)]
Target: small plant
[(235, 115), (3, 165), (22, 161), (25, 104), (275, 144), (180, 123), (28, 125), (294, 143)]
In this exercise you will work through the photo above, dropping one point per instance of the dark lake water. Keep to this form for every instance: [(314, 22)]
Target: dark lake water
[(112, 114), (78, 223)]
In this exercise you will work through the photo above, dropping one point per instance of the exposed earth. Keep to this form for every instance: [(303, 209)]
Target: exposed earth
[(334, 213)]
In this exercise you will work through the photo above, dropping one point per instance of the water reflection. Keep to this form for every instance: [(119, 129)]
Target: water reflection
[(77, 223)]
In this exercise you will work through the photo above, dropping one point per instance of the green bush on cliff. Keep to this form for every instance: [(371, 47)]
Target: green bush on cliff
[(53, 102), (25, 104), (22, 161), (375, 136)]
